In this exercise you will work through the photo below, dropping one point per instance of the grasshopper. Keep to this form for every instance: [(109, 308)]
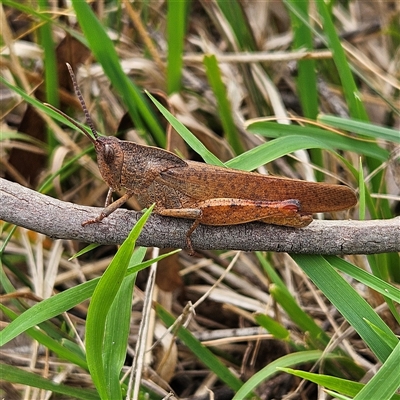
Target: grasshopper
[(207, 194)]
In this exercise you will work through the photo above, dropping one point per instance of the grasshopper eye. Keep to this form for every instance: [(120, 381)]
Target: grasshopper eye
[(108, 154)]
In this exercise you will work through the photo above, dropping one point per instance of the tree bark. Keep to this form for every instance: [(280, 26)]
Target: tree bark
[(58, 219)]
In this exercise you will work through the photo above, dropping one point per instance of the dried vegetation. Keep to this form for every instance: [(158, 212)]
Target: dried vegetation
[(257, 52)]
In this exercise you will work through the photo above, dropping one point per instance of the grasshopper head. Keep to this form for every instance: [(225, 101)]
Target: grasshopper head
[(110, 158)]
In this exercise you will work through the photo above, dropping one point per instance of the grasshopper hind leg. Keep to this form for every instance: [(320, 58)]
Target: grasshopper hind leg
[(189, 213), (298, 221)]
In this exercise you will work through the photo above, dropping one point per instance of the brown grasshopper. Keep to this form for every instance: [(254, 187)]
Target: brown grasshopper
[(207, 194)]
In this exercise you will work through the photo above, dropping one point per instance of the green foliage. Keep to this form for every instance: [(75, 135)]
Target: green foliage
[(176, 17), (348, 147), (224, 110), (107, 324), (104, 50)]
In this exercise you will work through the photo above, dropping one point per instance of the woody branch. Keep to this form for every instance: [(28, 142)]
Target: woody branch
[(58, 219)]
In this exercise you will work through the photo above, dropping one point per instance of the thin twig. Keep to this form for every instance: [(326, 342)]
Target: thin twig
[(57, 219)]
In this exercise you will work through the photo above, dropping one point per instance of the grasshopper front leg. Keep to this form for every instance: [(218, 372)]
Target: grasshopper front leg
[(109, 208), (230, 211)]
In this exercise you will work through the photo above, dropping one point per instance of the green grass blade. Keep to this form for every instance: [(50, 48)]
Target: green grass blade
[(105, 53), (346, 300), (361, 128), (389, 340), (382, 385), (50, 61), (176, 25), (117, 328), (4, 135), (42, 107), (317, 335), (337, 384), (60, 303), (103, 296), (272, 369), (12, 374), (62, 351), (237, 30), (351, 93), (85, 250), (6, 284), (335, 141), (307, 77), (272, 150), (364, 192), (44, 16), (366, 278), (375, 281), (47, 185), (187, 136), (224, 107), (238, 22), (272, 326), (50, 70), (350, 90), (273, 276), (47, 309)]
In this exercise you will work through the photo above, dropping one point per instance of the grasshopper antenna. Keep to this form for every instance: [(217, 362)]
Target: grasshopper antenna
[(85, 110), (83, 104)]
